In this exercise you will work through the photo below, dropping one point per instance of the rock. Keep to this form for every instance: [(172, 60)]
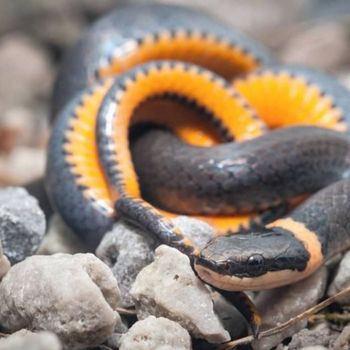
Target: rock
[(156, 333), (127, 251), (4, 264), (25, 83), (343, 340), (341, 279), (22, 224), (318, 336), (316, 347), (196, 230), (312, 43), (280, 304), (114, 341), (168, 287), (231, 318), (26, 340), (22, 165), (37, 189), (74, 296), (60, 239)]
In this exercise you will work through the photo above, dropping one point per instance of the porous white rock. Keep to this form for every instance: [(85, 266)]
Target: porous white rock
[(156, 333), (74, 296), (168, 287), (26, 340), (280, 304), (341, 279)]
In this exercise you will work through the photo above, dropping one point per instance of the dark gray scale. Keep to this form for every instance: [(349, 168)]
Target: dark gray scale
[(238, 177), (327, 213), (85, 217), (127, 26)]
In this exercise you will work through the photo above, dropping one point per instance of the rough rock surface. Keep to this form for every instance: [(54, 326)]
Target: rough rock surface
[(121, 328), (341, 279), (318, 336), (26, 340), (343, 340), (168, 287), (73, 296), (196, 230), (126, 250), (22, 224), (4, 263), (280, 304), (156, 333), (60, 239)]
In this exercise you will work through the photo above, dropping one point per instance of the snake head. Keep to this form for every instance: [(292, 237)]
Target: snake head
[(253, 261)]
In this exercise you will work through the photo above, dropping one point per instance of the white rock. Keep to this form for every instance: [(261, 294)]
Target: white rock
[(60, 239), (168, 287), (73, 296), (280, 304), (156, 333), (341, 279), (26, 340)]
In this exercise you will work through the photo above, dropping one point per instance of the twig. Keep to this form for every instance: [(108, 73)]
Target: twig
[(309, 312), (124, 311), (331, 317)]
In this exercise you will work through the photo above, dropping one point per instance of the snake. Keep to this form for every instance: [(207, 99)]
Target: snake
[(161, 110)]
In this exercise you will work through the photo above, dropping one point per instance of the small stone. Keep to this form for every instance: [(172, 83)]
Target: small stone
[(196, 230), (25, 83), (280, 304), (26, 340), (316, 347), (343, 340), (114, 341), (74, 296), (156, 333), (231, 318), (168, 287), (60, 239), (318, 336), (341, 279), (314, 42), (4, 264), (22, 224), (127, 251), (22, 165)]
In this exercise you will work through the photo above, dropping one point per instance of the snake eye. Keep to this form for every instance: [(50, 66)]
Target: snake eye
[(255, 260)]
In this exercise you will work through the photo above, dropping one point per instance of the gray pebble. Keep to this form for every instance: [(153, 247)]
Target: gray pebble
[(341, 279), (74, 296), (26, 340), (318, 336), (60, 239), (22, 224), (196, 230), (126, 250), (280, 304), (342, 342), (4, 264), (156, 333), (168, 287)]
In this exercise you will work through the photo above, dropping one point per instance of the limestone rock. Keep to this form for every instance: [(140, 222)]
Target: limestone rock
[(22, 224), (26, 340), (156, 333), (168, 287), (74, 296), (280, 304), (126, 250)]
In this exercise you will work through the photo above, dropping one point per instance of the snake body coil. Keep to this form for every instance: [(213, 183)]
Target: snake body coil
[(184, 70)]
